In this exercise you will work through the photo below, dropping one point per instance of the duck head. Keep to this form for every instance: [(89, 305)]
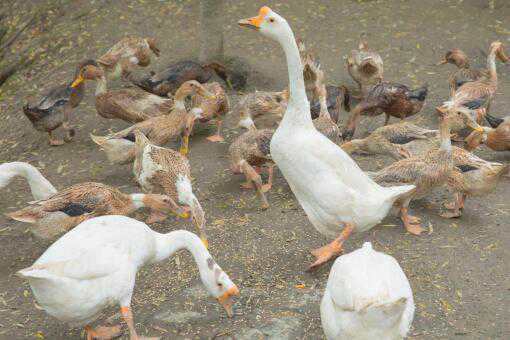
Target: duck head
[(497, 48), (86, 70), (456, 57), (153, 45)]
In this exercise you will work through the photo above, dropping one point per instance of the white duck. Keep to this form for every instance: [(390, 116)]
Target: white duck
[(95, 265), (367, 297), (41, 188), (337, 196)]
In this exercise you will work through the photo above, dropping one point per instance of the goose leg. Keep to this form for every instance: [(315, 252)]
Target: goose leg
[(331, 250), (127, 315), (411, 223), (103, 333), (253, 177), (217, 136)]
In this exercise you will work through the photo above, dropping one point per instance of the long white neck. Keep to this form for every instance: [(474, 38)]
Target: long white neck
[(169, 244), (40, 187), (298, 109), (101, 86)]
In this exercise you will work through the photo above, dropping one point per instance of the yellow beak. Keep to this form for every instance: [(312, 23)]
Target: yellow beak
[(77, 81)]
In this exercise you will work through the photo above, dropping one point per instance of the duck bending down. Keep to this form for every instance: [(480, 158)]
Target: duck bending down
[(166, 171), (388, 140), (119, 146), (67, 208), (428, 171), (213, 109), (477, 178), (129, 51), (262, 108), (170, 79), (249, 152), (392, 99), (94, 266), (40, 187), (367, 297), (131, 105), (54, 109), (478, 95), (337, 196), (364, 65), (495, 137), (464, 73)]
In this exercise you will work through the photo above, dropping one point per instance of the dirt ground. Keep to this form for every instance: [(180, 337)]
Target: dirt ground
[(458, 270)]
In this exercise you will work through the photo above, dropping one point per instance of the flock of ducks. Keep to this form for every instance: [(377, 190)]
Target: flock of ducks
[(94, 264)]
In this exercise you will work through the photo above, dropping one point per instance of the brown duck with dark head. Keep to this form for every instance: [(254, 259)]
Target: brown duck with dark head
[(392, 99), (169, 80), (54, 109)]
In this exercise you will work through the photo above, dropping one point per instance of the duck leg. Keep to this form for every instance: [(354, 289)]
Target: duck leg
[(103, 333), (253, 177), (184, 144), (69, 131), (217, 136), (266, 187), (455, 207), (54, 141), (387, 119), (331, 250), (411, 223)]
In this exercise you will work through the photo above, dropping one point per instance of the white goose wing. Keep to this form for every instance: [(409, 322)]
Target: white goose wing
[(93, 264)]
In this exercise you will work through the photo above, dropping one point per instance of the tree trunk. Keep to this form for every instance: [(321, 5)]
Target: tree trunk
[(211, 30)]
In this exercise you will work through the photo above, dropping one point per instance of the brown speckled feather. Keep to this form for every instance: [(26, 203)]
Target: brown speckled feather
[(215, 107), (265, 108), (97, 198), (252, 146), (131, 105)]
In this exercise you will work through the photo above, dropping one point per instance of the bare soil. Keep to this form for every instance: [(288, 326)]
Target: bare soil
[(458, 271)]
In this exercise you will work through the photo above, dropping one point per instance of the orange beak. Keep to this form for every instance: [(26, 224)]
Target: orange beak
[(255, 22), (226, 300)]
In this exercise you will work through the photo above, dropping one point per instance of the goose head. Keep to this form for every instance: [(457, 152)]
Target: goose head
[(219, 285), (269, 24)]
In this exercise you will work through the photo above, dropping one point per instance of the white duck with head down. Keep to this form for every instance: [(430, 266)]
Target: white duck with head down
[(94, 266), (337, 196)]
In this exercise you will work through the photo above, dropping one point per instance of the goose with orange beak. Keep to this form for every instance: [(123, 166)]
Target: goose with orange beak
[(336, 195)]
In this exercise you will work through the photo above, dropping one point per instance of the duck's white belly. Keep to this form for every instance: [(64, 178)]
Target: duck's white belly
[(327, 199)]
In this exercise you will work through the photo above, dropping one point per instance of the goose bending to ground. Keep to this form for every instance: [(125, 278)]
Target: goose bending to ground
[(40, 187), (337, 196), (95, 265), (367, 297)]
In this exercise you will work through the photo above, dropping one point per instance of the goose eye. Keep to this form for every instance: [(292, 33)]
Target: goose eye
[(271, 19), (220, 285)]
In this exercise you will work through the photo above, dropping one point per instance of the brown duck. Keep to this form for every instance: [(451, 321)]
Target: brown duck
[(392, 99), (249, 153), (169, 80), (67, 208), (54, 109), (389, 140), (364, 65), (495, 137), (119, 147), (131, 105), (213, 109), (161, 170), (120, 58)]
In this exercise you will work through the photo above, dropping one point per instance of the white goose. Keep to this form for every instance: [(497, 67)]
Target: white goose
[(367, 297), (337, 196), (41, 188), (95, 265)]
